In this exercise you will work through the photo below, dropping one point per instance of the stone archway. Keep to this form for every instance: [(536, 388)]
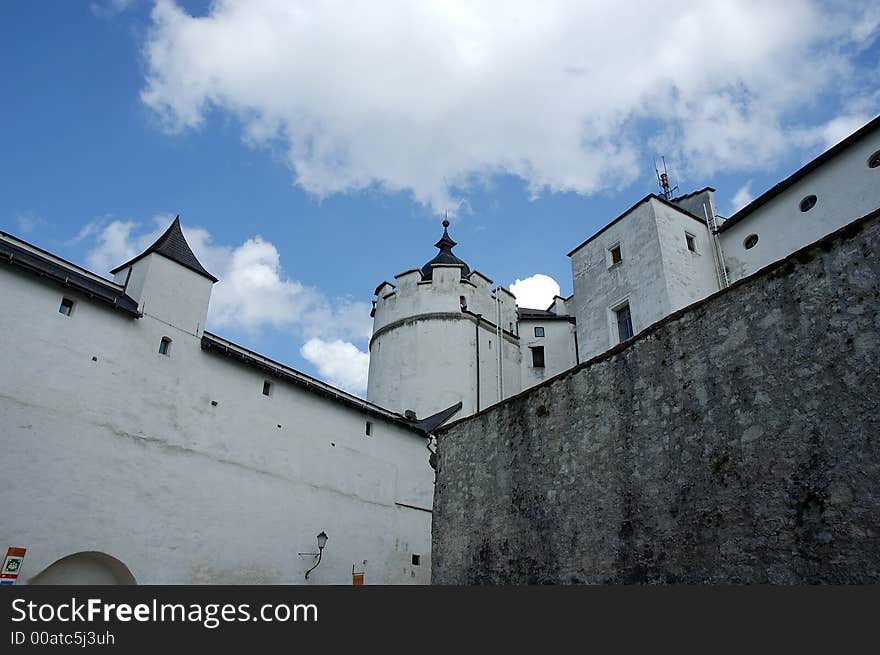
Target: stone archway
[(85, 568)]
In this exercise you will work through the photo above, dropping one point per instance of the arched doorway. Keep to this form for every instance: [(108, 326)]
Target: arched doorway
[(88, 567)]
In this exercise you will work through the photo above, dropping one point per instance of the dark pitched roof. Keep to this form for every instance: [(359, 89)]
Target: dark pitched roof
[(643, 200), (445, 256), (67, 275), (691, 194), (529, 314), (172, 245), (219, 345), (799, 174)]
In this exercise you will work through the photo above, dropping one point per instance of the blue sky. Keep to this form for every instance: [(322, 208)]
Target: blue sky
[(311, 150)]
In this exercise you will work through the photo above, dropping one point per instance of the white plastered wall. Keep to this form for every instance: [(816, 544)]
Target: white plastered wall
[(119, 450)]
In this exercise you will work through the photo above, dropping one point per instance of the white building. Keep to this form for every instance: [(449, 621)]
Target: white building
[(443, 335), (661, 255), (838, 186), (141, 448)]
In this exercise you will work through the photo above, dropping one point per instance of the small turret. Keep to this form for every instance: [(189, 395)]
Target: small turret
[(168, 282), (445, 256), (436, 339)]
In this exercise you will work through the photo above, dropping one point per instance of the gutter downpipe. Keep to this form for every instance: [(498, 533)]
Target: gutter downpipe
[(477, 336)]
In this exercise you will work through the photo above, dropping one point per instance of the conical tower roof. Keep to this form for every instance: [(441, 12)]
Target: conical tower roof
[(172, 244)]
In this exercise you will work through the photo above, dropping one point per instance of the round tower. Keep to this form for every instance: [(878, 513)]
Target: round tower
[(441, 335)]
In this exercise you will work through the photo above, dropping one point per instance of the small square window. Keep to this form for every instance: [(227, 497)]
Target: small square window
[(417, 560), (368, 429), (267, 387), (691, 242), (165, 347), (616, 257), (539, 331), (537, 356), (66, 306)]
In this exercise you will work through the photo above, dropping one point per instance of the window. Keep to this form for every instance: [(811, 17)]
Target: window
[(539, 331), (750, 241), (624, 323), (417, 560), (808, 203), (66, 306), (165, 347), (267, 387), (874, 160), (691, 241), (463, 302), (616, 257), (537, 356), (368, 429)]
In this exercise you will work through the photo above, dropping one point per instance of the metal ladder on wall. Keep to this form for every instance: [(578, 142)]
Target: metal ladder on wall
[(717, 253)]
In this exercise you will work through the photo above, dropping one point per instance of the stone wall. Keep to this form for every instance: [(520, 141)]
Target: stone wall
[(736, 441)]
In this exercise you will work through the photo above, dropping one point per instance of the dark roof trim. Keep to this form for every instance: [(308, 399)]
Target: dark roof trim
[(799, 174), (541, 315), (172, 245), (35, 263), (213, 343), (693, 193), (382, 284), (635, 206), (775, 268), (431, 423), (482, 275)]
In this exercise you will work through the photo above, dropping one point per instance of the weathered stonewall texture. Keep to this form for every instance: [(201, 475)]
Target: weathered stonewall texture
[(736, 441)]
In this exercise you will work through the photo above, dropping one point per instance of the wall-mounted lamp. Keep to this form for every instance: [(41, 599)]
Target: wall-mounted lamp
[(322, 541)]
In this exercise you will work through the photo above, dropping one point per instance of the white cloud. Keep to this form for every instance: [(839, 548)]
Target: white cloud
[(115, 245), (435, 97), (253, 292), (339, 362), (837, 129), (742, 197), (536, 292)]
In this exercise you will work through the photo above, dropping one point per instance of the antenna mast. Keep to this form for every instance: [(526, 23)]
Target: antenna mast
[(663, 180)]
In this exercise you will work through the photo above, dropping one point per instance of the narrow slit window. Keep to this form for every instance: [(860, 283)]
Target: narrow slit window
[(368, 429), (616, 256), (691, 241), (165, 346), (624, 323), (417, 560), (537, 356), (267, 387), (66, 306)]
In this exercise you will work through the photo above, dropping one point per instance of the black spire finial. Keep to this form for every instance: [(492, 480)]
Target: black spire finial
[(445, 256)]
